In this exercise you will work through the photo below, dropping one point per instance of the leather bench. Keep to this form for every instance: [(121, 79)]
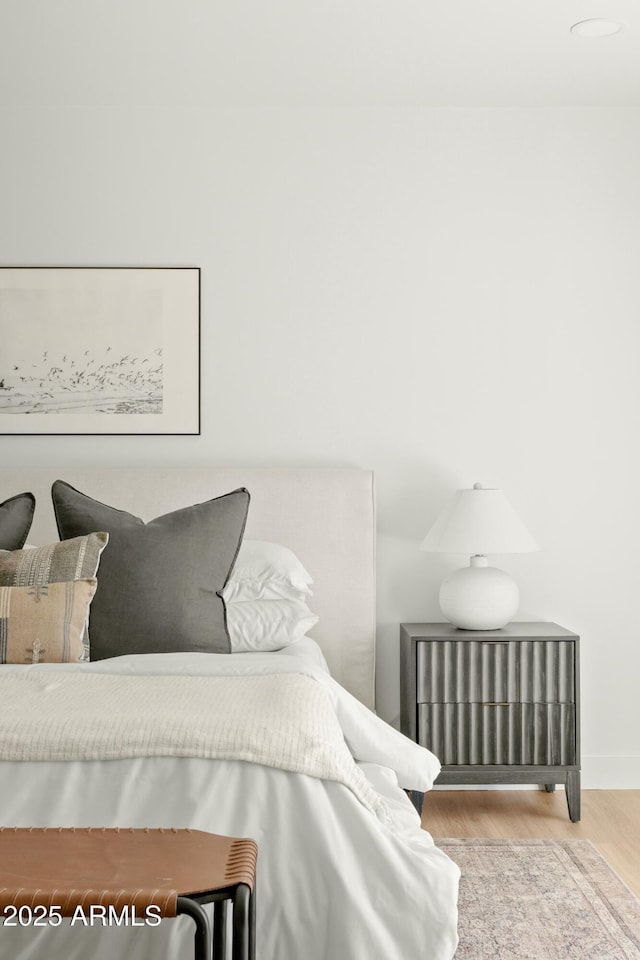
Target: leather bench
[(135, 875)]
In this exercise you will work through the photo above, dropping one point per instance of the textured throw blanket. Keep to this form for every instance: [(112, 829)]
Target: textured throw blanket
[(279, 720)]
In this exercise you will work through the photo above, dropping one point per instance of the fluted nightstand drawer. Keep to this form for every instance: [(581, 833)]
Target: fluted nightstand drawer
[(499, 733), (489, 671)]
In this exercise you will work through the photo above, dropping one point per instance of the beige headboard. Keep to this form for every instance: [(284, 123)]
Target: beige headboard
[(326, 516)]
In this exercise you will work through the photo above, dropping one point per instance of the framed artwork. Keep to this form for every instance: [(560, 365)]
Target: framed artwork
[(99, 350)]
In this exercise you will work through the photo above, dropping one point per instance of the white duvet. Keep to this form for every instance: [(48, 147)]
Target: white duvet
[(335, 880)]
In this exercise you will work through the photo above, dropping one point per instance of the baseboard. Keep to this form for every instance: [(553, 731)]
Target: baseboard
[(598, 773)]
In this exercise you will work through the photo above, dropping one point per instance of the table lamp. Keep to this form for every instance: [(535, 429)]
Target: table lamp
[(477, 522)]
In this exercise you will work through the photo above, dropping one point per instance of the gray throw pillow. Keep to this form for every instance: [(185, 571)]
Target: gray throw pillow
[(16, 515), (160, 582)]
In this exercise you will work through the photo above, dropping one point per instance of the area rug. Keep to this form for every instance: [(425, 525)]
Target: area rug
[(542, 900)]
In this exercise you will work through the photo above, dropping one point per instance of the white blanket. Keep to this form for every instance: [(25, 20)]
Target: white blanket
[(94, 716), (368, 737)]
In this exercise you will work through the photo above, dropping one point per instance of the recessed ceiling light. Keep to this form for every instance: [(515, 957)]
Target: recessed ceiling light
[(596, 28)]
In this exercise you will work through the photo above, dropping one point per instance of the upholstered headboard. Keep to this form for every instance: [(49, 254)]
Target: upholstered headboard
[(326, 516)]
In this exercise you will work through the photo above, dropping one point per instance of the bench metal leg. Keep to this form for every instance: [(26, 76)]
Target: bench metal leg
[(220, 929), (252, 923), (243, 924), (202, 940)]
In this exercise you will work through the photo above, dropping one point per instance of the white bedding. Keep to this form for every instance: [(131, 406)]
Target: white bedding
[(335, 880)]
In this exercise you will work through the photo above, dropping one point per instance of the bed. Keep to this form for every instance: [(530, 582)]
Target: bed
[(344, 869)]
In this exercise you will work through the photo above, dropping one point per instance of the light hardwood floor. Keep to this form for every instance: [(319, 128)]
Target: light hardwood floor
[(610, 819)]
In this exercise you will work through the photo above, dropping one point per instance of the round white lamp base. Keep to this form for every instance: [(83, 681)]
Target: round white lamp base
[(479, 597)]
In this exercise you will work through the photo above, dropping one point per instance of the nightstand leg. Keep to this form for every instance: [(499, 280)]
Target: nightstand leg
[(550, 787), (573, 795), (417, 799)]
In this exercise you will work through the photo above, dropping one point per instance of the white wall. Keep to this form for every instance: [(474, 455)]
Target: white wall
[(443, 296)]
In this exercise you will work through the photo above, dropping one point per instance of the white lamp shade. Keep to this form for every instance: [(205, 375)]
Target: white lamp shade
[(478, 521)]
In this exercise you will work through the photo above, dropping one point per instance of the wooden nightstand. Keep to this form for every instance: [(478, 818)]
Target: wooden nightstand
[(495, 706)]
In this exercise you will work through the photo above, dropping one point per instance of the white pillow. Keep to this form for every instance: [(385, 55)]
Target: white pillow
[(265, 625), (267, 571)]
